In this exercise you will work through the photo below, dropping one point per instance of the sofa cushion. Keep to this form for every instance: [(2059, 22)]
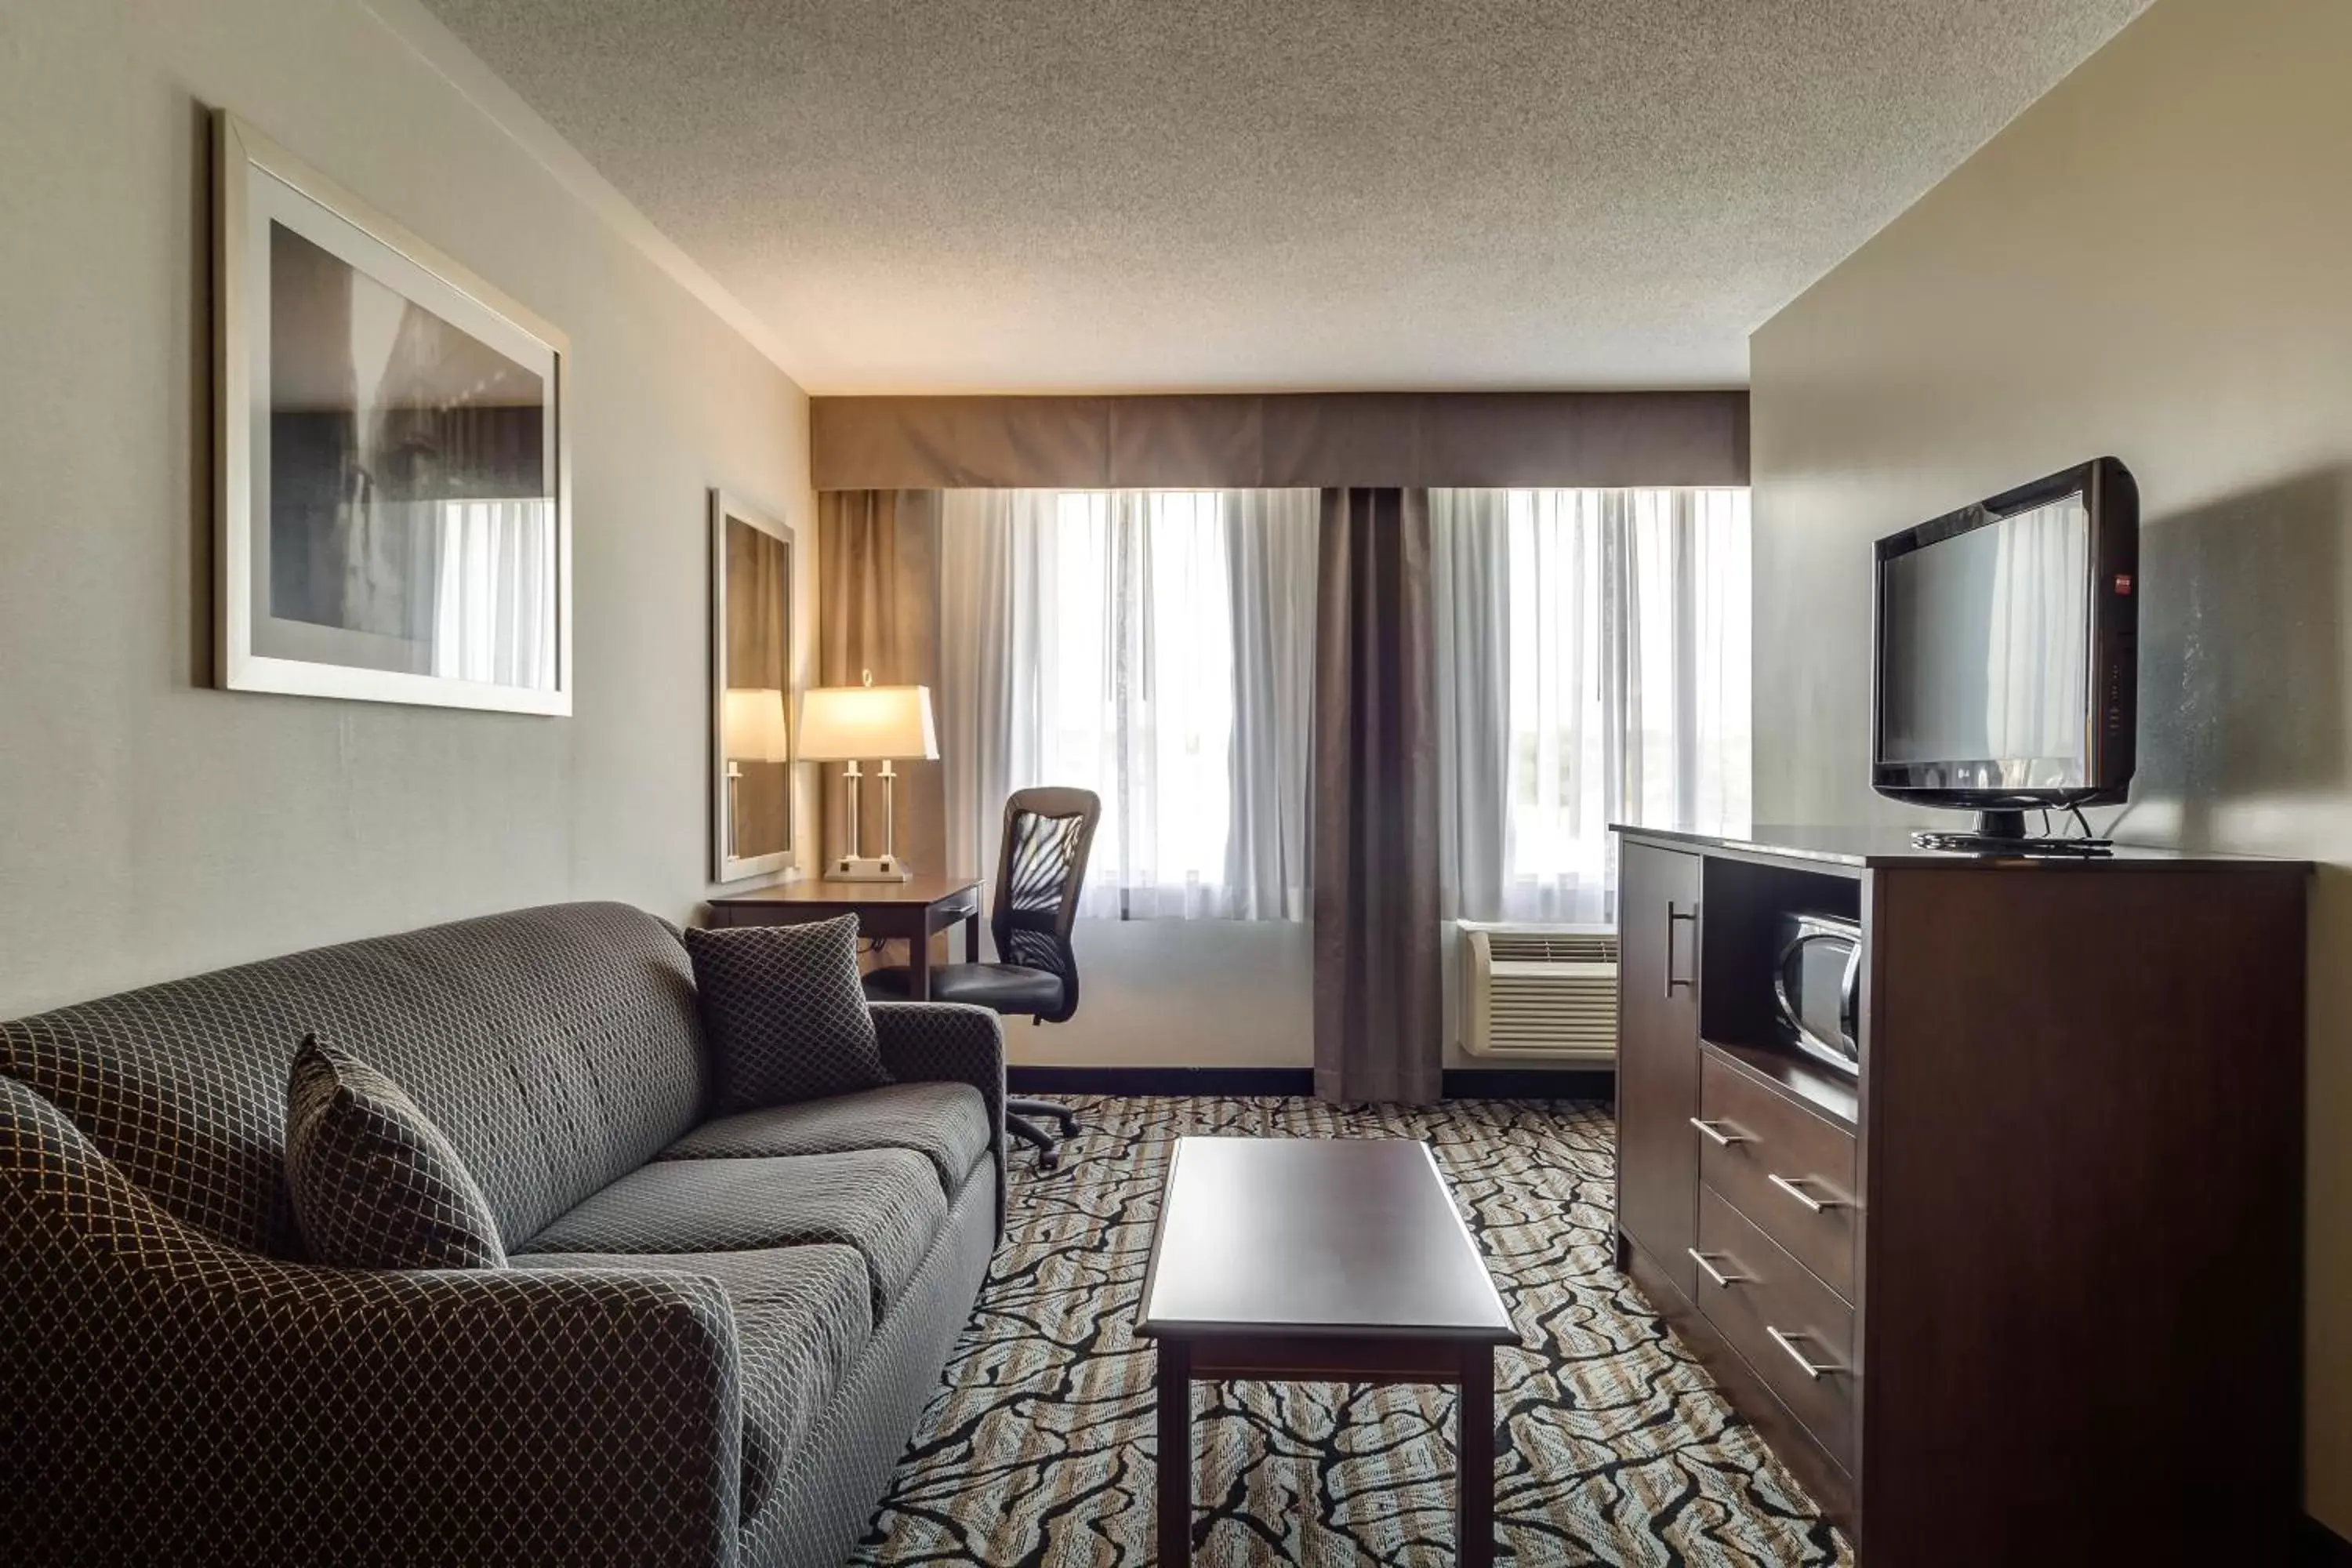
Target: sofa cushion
[(801, 1314), (374, 1184), (557, 1049), (885, 1202), (946, 1124), (786, 1018)]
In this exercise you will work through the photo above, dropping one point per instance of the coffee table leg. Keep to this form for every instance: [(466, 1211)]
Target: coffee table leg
[(1473, 1504), (1175, 1381)]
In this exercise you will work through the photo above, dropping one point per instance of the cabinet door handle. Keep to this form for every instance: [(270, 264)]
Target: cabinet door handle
[(1806, 1364), (1706, 1266), (1714, 1130), (1802, 1196), (1674, 915)]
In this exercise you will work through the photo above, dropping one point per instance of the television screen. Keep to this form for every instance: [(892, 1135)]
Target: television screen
[(1986, 652)]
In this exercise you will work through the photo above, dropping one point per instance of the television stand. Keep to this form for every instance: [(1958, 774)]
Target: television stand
[(2003, 833), (2041, 1246)]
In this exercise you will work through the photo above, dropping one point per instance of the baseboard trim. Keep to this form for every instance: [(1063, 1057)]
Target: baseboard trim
[(1460, 1083), (1123, 1082), (2316, 1546), (1530, 1083)]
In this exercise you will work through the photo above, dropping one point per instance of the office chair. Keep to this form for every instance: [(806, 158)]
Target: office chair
[(1040, 867)]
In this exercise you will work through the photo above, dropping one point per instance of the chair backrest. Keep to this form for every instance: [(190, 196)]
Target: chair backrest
[(1039, 869)]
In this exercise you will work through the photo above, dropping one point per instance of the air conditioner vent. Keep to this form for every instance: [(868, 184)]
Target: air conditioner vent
[(1539, 991), (1564, 946)]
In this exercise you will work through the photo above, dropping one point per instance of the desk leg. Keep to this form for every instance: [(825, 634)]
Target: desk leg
[(918, 965), (1474, 1507), (972, 937), (1175, 1377)]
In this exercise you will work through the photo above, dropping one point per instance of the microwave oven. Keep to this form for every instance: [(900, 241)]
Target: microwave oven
[(1817, 988)]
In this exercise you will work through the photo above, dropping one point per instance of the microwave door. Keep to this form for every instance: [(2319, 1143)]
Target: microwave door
[(1810, 985)]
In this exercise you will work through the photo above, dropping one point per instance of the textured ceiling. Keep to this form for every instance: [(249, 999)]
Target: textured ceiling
[(933, 195)]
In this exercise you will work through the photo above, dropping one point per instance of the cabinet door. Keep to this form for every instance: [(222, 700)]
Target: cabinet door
[(1657, 1056)]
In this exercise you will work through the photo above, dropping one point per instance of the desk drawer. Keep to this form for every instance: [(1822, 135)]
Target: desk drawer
[(1775, 1161), (1781, 1320)]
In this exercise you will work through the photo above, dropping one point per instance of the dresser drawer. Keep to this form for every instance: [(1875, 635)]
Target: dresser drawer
[(1787, 1169), (1795, 1333)]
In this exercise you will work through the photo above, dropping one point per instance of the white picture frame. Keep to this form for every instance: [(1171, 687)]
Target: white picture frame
[(392, 507)]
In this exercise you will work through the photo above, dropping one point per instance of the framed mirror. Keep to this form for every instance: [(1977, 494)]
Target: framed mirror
[(751, 566)]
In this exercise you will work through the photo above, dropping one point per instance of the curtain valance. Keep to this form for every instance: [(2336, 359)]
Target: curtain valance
[(1281, 440)]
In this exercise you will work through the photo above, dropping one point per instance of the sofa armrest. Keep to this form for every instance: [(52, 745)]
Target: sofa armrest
[(174, 1398), (949, 1042)]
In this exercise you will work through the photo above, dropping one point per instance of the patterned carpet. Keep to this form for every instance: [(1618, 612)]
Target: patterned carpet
[(1615, 1448)]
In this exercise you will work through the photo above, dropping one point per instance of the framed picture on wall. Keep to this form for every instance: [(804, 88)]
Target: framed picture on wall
[(393, 517)]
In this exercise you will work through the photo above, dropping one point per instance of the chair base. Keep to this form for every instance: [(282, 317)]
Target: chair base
[(1017, 1113)]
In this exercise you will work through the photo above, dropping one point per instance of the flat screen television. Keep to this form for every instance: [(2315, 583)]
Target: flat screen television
[(2005, 637)]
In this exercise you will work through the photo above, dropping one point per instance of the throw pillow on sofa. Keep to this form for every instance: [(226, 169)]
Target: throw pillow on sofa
[(374, 1184), (785, 1012)]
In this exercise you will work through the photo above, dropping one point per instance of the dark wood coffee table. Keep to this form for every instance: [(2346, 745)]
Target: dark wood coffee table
[(1320, 1260)]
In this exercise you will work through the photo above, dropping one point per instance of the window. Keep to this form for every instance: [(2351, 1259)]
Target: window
[(1153, 647), (1594, 648)]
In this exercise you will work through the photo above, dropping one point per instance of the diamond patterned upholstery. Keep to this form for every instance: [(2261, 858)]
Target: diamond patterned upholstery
[(946, 1043), (885, 1202), (173, 1399), (557, 1049), (374, 1185), (801, 1314), (946, 1124), (786, 1018), (175, 1389), (828, 1493)]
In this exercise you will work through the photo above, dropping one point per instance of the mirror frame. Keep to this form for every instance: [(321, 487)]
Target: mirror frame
[(726, 867)]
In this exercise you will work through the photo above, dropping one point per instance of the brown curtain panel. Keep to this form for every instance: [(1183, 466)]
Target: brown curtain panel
[(1378, 1018), (877, 574)]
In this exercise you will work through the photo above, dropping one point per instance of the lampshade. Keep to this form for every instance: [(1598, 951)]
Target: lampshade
[(752, 725), (861, 724)]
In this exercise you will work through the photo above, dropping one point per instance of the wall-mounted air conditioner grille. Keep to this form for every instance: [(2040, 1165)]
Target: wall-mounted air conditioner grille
[(1546, 992)]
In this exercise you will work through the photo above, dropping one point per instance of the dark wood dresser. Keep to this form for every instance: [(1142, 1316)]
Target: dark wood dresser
[(2027, 1288)]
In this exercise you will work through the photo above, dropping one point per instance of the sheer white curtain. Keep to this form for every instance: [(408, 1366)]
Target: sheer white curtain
[(491, 570), (1155, 647), (2035, 709), (1593, 654)]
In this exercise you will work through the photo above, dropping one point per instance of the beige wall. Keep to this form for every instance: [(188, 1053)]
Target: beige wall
[(151, 826), (1157, 994), (2154, 260)]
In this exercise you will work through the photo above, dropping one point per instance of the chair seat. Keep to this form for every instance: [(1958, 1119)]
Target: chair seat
[(1001, 987)]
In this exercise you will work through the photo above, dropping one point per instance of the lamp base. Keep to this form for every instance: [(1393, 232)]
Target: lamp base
[(868, 868)]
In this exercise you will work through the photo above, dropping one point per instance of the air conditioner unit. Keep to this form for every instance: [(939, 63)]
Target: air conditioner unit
[(1539, 991)]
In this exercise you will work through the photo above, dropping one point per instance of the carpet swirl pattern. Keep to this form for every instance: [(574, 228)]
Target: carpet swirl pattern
[(1614, 1446)]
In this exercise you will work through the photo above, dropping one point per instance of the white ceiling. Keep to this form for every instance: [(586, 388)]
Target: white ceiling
[(1042, 196)]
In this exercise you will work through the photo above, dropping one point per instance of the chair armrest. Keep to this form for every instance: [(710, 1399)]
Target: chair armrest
[(174, 1398), (950, 1043)]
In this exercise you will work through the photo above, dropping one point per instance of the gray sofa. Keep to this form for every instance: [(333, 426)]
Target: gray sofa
[(711, 1346)]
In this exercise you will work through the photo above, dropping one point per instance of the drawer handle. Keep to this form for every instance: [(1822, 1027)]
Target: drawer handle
[(1706, 1266), (1714, 1130), (1802, 1196), (1810, 1367)]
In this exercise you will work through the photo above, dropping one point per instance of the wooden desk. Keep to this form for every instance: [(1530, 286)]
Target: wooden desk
[(912, 911), (1320, 1260)]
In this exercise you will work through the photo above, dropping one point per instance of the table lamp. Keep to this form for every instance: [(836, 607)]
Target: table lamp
[(856, 723), (752, 726)]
